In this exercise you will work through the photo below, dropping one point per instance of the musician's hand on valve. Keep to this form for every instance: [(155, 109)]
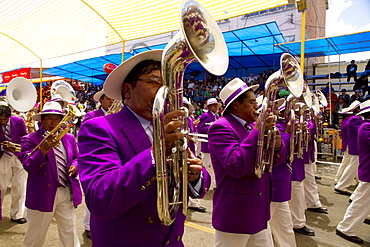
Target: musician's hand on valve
[(49, 143), (170, 125), (194, 166), (9, 149)]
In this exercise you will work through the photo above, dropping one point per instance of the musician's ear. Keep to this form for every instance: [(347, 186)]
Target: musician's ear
[(126, 90)]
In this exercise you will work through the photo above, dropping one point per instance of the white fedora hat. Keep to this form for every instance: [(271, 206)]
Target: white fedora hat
[(57, 98), (233, 90), (51, 107), (350, 108), (98, 95), (113, 83), (212, 101), (364, 107)]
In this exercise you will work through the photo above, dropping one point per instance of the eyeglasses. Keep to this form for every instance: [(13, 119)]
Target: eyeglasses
[(152, 80)]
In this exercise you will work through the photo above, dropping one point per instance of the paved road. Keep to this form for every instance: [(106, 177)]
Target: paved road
[(199, 231)]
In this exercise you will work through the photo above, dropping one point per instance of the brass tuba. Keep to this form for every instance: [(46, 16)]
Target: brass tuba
[(199, 39), (291, 77)]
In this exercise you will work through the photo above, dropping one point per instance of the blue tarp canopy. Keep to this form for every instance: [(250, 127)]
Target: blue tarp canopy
[(250, 49), (337, 45)]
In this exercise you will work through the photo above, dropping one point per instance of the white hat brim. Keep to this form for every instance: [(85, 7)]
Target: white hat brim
[(37, 117), (253, 88), (113, 84), (98, 95)]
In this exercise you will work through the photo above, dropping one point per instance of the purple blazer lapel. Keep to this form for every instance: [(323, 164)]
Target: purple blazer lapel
[(237, 127), (133, 131), (50, 156), (14, 129)]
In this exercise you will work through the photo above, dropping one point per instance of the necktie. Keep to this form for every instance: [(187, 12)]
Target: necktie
[(149, 131), (290, 168), (61, 165), (8, 138), (247, 127)]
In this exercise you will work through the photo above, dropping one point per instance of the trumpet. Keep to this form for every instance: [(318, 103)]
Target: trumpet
[(15, 146), (199, 39), (60, 130), (290, 76)]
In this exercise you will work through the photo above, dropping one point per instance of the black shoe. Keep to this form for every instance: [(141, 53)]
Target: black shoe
[(367, 221), (199, 209), (342, 192), (353, 239), (88, 234), (304, 230), (20, 221), (317, 178), (318, 210)]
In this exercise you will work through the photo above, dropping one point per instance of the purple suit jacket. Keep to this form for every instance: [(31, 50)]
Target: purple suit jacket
[(93, 114), (117, 175), (42, 182), (17, 131), (353, 125), (309, 156), (344, 134), (241, 203), (281, 176), (203, 127), (364, 152)]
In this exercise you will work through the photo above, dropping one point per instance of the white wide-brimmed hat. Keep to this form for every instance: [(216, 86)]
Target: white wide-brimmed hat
[(364, 107), (58, 98), (187, 102), (51, 107), (233, 90), (98, 95), (113, 83), (212, 101), (351, 107)]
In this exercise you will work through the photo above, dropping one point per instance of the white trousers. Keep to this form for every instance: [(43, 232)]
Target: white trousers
[(281, 224), (357, 211), (345, 162), (206, 159), (311, 191), (193, 202), (260, 239), (65, 216), (12, 172), (297, 205), (86, 221), (349, 173)]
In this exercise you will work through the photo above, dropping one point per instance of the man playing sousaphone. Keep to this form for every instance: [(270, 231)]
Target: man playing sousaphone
[(116, 163), (52, 187), (233, 146)]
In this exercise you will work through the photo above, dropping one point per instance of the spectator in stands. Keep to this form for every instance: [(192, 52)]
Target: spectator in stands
[(191, 93), (356, 96), (198, 98), (327, 89), (333, 97), (337, 109), (264, 75), (351, 71), (251, 80), (367, 67), (328, 118), (344, 96), (362, 84)]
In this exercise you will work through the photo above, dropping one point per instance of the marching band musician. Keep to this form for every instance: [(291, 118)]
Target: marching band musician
[(205, 121), (297, 203), (359, 208), (51, 174), (281, 220), (350, 172), (233, 146), (311, 191), (116, 164), (105, 103), (58, 98), (11, 169)]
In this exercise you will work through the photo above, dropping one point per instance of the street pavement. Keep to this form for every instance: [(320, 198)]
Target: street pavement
[(199, 231)]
